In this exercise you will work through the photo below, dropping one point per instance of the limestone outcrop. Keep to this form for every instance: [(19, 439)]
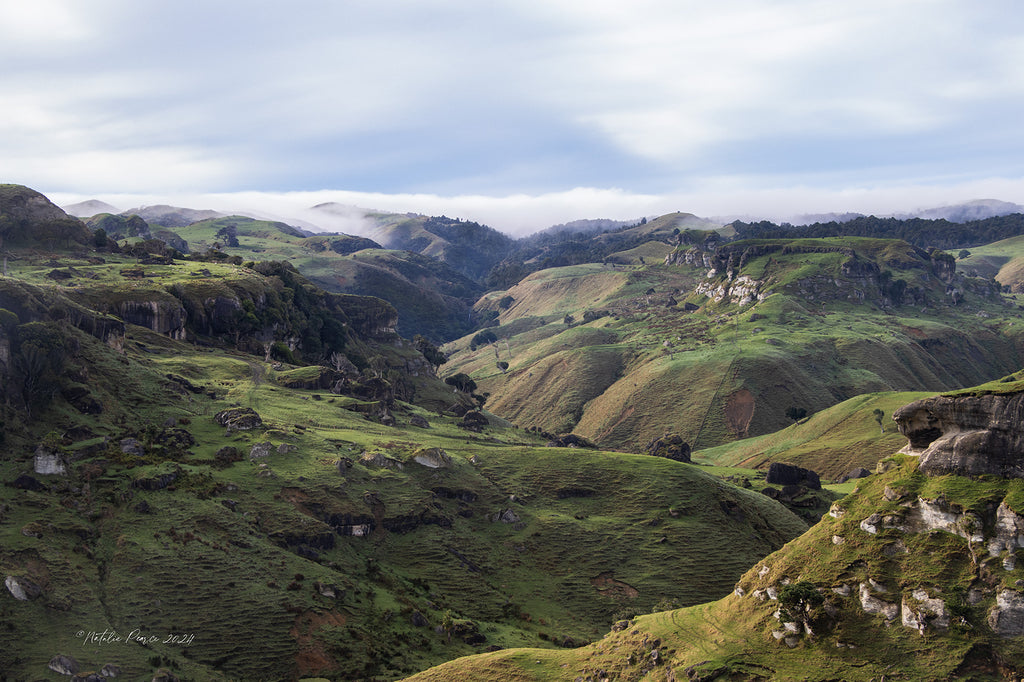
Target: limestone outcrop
[(967, 435)]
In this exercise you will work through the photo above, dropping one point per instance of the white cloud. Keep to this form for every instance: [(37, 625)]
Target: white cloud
[(522, 214), (503, 98)]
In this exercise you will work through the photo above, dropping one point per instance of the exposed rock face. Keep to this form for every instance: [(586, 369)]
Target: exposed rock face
[(788, 474), (966, 435), (1007, 617), (164, 316)]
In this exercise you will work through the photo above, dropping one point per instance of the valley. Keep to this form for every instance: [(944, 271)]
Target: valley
[(236, 449)]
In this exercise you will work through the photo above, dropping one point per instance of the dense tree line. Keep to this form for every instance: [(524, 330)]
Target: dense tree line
[(940, 234)]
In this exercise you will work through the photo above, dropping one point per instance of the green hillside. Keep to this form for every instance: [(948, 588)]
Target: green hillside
[(271, 483), (839, 587), (720, 342), (831, 442)]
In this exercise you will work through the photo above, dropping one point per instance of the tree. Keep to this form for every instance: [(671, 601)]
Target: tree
[(461, 382), (433, 355), (796, 413), (879, 416), (503, 366), (964, 253)]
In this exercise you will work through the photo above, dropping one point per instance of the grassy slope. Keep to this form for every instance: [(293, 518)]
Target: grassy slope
[(831, 442), (220, 550), (1002, 261), (731, 638), (664, 369)]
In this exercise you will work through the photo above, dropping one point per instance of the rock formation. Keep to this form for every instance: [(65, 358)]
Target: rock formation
[(969, 435)]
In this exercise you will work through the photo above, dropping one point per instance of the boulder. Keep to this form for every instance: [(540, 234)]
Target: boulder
[(474, 420), (110, 670), (49, 463), (418, 421), (570, 440), (239, 419), (63, 665), (260, 450), (432, 458), (131, 446), (859, 472), (671, 446), (967, 435), (26, 482), (788, 474), (22, 589)]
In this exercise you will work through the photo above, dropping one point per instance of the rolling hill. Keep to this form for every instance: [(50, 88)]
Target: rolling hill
[(723, 339), (193, 448)]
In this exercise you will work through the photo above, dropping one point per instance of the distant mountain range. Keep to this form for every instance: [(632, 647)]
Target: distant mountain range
[(334, 217)]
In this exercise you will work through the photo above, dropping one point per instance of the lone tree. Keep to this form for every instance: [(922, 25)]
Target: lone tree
[(461, 382), (879, 416), (796, 413)]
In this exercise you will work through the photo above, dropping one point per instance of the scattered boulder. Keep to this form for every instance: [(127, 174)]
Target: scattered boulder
[(63, 665), (49, 463), (239, 419), (260, 450), (379, 459), (110, 670), (671, 446), (418, 421), (131, 446), (164, 675), (859, 472), (156, 482), (22, 589), (227, 456), (474, 420), (508, 516), (432, 458), (26, 482), (570, 440), (788, 474)]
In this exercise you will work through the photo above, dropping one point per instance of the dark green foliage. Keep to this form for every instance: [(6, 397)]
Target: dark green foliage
[(347, 244), (941, 234), (38, 360), (482, 339), (99, 238), (797, 600), (280, 351), (796, 413), (434, 356), (462, 382), (506, 302)]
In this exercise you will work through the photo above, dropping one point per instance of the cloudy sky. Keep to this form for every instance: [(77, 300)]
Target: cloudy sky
[(517, 113)]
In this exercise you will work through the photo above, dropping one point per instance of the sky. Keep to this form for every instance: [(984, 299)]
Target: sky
[(516, 113)]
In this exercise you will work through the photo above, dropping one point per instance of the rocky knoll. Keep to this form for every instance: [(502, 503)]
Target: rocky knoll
[(967, 435)]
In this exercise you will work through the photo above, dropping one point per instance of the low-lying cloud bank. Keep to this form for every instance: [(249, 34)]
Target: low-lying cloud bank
[(522, 214)]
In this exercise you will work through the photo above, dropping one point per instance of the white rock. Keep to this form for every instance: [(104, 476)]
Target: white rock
[(49, 463)]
